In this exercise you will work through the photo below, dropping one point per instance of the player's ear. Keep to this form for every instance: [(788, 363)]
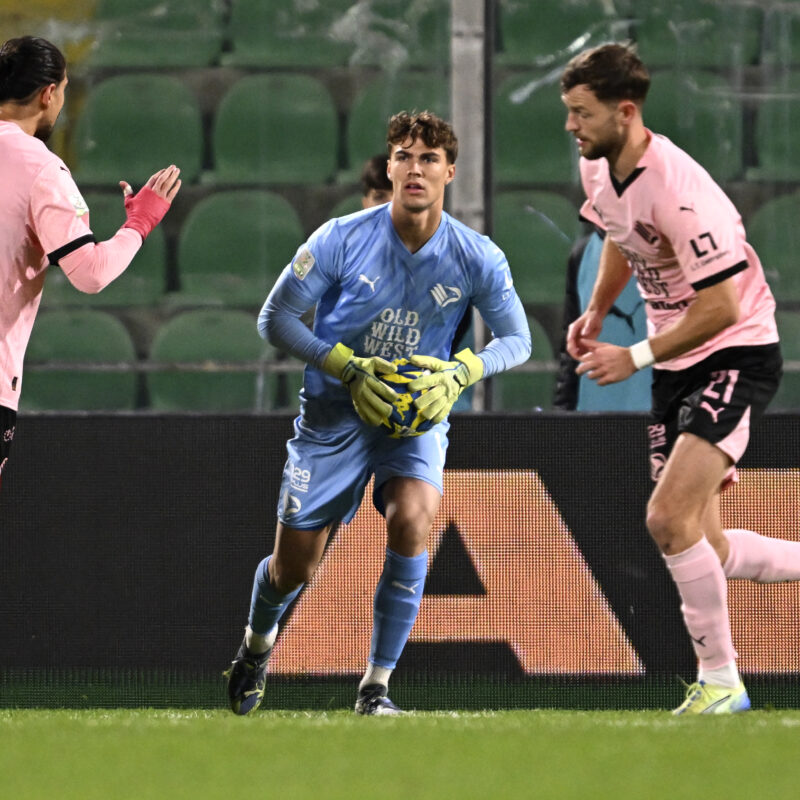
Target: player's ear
[(451, 173), (46, 94), (627, 110)]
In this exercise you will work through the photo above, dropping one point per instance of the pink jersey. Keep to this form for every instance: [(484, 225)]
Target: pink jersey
[(680, 233), (42, 218)]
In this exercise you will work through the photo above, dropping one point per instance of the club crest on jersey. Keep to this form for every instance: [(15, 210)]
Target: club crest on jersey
[(647, 232), (303, 263), (79, 204), (444, 295)]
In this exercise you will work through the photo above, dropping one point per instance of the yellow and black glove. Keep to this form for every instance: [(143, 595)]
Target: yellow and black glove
[(371, 396), (445, 383)]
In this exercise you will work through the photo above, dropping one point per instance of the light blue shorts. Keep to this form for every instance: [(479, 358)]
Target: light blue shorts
[(330, 464)]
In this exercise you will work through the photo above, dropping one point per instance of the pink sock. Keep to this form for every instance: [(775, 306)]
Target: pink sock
[(704, 592), (761, 558)]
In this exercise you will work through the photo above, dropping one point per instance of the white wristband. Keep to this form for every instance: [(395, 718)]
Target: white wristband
[(642, 354)]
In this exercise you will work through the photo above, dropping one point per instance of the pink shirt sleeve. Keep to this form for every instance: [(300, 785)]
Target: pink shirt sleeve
[(92, 267)]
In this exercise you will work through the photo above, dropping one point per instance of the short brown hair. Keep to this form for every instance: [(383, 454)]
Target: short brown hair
[(424, 125), (611, 71), (373, 175)]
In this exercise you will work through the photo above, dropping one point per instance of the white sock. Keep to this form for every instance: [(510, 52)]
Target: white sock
[(726, 675), (375, 674), (258, 643)]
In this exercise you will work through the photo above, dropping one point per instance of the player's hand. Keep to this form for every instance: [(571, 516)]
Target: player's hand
[(371, 397), (586, 327), (146, 209), (605, 363), (445, 383)]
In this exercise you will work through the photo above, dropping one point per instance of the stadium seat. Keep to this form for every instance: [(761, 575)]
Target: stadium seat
[(284, 33), (531, 144), (551, 31), (788, 396), (154, 33), (516, 390), (134, 125), (697, 33), (777, 122), (781, 39), (701, 113), (78, 336), (142, 284), (347, 205), (204, 338), (774, 232), (232, 247), (275, 128), (386, 95), (536, 231)]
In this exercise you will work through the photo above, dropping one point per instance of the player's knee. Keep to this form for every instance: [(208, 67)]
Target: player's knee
[(665, 525), (285, 578)]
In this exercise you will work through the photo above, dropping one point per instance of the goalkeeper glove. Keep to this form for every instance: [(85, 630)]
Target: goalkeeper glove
[(371, 396), (445, 383)]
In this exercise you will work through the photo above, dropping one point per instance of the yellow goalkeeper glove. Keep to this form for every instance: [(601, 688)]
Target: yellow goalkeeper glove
[(445, 383), (371, 396)]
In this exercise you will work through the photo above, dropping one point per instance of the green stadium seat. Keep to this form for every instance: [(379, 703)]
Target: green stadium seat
[(275, 128), (781, 39), (701, 113), (395, 34), (154, 33), (517, 390), (550, 31), (347, 205), (133, 125), (142, 284), (386, 95), (284, 33), (774, 232), (777, 122), (788, 396), (536, 231), (79, 336), (232, 247), (531, 144), (697, 33), (203, 338)]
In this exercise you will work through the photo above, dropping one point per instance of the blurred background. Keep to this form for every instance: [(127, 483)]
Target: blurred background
[(271, 107)]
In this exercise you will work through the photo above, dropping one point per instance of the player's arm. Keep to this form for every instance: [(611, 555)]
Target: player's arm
[(712, 310), (503, 312), (90, 266), (613, 274), (280, 323)]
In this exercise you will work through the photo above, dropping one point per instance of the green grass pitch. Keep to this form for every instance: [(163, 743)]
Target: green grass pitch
[(142, 754)]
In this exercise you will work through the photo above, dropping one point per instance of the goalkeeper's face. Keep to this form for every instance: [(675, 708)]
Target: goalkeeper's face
[(419, 174)]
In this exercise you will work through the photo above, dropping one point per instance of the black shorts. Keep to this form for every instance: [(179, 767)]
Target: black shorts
[(717, 399), (8, 422)]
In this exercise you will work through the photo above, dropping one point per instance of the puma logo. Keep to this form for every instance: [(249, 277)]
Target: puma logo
[(370, 283)]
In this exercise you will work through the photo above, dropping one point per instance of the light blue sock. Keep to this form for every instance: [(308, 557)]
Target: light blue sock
[(397, 599), (267, 606)]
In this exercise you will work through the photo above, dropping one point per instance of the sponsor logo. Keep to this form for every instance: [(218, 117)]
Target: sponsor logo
[(713, 411), (657, 463), (303, 264), (444, 295), (370, 283), (8, 434), (395, 334), (291, 504), (409, 589)]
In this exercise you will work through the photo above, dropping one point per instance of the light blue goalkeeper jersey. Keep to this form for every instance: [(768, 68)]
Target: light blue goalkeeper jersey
[(376, 297)]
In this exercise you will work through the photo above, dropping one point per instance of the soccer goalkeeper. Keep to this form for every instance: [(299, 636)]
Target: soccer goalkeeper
[(389, 282)]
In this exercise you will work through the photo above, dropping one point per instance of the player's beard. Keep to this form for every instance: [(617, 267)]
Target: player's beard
[(43, 131)]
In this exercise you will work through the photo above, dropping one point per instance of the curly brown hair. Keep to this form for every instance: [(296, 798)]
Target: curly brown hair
[(424, 125)]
